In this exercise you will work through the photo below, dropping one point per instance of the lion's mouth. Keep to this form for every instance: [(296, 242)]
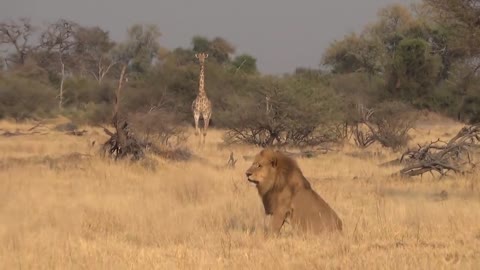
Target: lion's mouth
[(253, 181)]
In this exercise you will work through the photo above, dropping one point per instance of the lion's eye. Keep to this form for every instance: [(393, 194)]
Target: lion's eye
[(259, 165)]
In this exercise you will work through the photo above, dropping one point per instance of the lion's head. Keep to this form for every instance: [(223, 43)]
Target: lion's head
[(270, 169), (273, 169), (263, 170)]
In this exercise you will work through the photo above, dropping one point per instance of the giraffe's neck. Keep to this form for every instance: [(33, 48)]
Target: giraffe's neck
[(201, 81)]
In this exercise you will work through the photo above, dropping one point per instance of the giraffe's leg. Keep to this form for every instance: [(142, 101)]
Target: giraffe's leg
[(196, 116), (206, 122)]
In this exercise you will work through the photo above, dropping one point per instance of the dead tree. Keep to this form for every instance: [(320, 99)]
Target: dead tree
[(122, 143), (363, 138), (442, 157), (18, 35)]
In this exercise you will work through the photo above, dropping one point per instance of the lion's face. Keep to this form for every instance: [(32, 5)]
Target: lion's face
[(262, 171)]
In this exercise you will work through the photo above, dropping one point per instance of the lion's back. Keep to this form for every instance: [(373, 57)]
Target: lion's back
[(311, 212)]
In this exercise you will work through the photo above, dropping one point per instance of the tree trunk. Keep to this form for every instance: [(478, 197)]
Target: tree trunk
[(122, 137), (123, 142), (60, 96), (121, 80)]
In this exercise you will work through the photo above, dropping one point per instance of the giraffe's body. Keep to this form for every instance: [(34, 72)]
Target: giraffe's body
[(202, 106)]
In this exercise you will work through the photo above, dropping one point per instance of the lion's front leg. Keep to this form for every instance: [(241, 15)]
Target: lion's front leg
[(278, 219)]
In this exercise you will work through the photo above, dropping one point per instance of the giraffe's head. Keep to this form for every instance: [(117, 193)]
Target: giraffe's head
[(201, 57)]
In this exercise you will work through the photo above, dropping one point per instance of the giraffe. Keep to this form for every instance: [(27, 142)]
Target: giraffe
[(202, 105)]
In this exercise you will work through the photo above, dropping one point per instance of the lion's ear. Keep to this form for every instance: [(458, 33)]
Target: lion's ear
[(274, 162)]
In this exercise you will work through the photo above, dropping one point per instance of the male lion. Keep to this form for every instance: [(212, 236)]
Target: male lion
[(286, 193)]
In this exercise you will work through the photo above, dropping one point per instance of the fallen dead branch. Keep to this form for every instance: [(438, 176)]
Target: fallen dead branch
[(456, 155), (73, 160), (20, 133), (77, 132), (231, 161), (34, 130)]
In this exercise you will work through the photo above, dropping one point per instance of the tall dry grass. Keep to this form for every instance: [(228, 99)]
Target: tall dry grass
[(77, 213)]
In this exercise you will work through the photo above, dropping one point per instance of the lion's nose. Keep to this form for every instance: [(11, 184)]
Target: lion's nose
[(248, 174)]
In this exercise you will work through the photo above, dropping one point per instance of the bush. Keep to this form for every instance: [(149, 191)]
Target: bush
[(300, 112), (91, 113), (387, 123), (359, 88), (22, 98), (158, 126), (80, 92), (392, 121)]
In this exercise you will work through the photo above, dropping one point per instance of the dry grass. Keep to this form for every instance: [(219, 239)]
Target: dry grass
[(75, 213)]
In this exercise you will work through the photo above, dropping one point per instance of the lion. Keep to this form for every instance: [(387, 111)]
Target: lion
[(287, 194)]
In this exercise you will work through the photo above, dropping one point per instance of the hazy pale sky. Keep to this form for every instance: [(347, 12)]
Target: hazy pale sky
[(281, 34)]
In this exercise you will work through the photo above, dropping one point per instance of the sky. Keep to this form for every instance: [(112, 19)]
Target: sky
[(281, 34)]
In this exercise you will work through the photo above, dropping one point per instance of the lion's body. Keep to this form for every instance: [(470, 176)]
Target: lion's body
[(311, 213), (286, 193)]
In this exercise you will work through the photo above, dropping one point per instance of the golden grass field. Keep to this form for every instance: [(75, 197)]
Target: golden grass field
[(76, 213)]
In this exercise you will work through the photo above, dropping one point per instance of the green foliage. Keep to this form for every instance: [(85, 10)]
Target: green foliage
[(410, 57), (299, 112), (200, 44), (218, 49), (414, 72), (81, 91), (22, 98), (427, 59), (140, 48), (353, 54), (245, 63), (31, 71), (91, 113)]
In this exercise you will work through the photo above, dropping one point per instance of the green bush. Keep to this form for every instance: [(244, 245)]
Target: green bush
[(300, 112), (81, 91), (22, 98), (91, 113)]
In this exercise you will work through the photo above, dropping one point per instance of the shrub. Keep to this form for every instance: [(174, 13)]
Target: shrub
[(393, 120), (22, 98), (91, 113), (290, 111), (158, 126)]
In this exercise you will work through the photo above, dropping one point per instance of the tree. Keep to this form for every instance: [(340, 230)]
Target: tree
[(460, 20), (135, 54), (18, 34), (92, 51), (462, 16), (58, 40), (221, 50), (393, 21), (200, 44), (414, 70), (180, 57), (141, 47), (218, 49), (136, 51), (245, 63), (353, 53)]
